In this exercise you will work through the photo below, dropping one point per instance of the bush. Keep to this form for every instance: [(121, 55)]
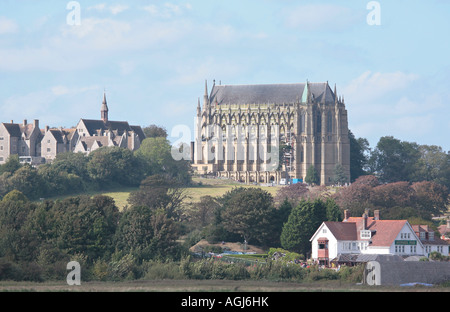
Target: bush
[(155, 270)]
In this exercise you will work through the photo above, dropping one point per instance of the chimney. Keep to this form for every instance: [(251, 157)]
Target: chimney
[(46, 128), (364, 221), (376, 214), (36, 123), (346, 214), (24, 122)]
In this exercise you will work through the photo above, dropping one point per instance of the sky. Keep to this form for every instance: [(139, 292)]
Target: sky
[(389, 59)]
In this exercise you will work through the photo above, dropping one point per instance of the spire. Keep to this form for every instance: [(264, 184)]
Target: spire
[(306, 93), (104, 110), (199, 111), (335, 95), (205, 96)]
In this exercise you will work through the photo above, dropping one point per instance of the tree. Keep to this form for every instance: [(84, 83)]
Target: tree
[(11, 165), (431, 199), (311, 176), (358, 196), (160, 192), (111, 165), (72, 163), (393, 160), (248, 213), (433, 165), (155, 154), (359, 150), (154, 131), (202, 213), (339, 177), (303, 221), (294, 193)]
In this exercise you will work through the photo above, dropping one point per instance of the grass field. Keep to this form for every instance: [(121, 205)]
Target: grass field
[(201, 187), (218, 187)]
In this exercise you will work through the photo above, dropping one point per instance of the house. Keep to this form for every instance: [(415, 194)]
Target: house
[(20, 139), (57, 141), (444, 230), (430, 241), (344, 242)]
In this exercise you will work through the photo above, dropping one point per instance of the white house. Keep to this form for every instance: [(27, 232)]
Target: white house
[(344, 242)]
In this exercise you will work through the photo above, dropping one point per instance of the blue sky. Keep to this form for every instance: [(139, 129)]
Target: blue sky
[(153, 58)]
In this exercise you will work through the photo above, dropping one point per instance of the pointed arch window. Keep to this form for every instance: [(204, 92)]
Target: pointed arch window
[(329, 122)]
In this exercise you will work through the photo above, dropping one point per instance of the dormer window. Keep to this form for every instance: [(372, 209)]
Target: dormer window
[(366, 234)]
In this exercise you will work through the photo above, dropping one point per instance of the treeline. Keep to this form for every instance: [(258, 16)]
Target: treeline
[(38, 239), (393, 160), (104, 168)]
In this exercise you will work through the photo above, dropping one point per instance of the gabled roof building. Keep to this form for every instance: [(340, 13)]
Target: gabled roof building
[(347, 241), (94, 133), (20, 139)]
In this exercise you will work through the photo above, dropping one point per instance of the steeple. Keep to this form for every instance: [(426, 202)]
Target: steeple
[(205, 96), (199, 111), (104, 110), (335, 95), (306, 93)]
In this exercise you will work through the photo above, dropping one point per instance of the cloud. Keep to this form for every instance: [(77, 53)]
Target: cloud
[(114, 9), (7, 26), (167, 10), (370, 86), (43, 104), (314, 17)]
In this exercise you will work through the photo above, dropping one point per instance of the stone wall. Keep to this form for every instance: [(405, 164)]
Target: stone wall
[(403, 272)]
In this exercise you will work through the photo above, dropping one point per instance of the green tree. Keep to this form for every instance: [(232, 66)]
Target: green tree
[(27, 180), (311, 176), (160, 192), (393, 160), (11, 165), (114, 165), (248, 213), (339, 177), (303, 221), (359, 154), (84, 226), (72, 163), (155, 154), (154, 131)]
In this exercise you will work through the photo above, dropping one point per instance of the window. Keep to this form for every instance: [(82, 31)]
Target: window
[(324, 230), (49, 149), (329, 123), (365, 234)]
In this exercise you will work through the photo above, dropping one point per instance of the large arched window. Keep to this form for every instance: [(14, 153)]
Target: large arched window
[(329, 122), (318, 122)]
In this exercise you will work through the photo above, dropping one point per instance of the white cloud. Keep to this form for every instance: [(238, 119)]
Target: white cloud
[(7, 26), (370, 86), (167, 10), (114, 9), (319, 17)]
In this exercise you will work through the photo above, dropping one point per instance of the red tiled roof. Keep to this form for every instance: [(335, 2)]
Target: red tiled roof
[(384, 232)]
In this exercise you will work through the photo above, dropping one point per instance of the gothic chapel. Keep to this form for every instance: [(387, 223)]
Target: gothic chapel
[(240, 130)]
